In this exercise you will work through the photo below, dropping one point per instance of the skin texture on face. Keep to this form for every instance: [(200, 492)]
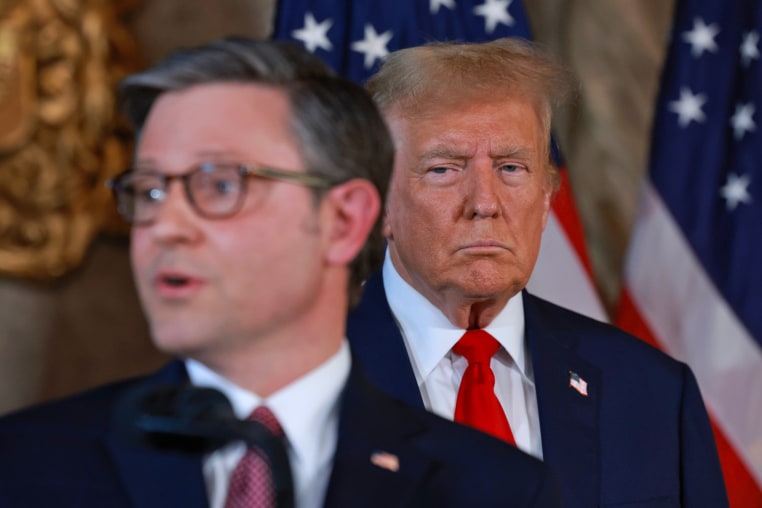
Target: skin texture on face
[(468, 202), (262, 294)]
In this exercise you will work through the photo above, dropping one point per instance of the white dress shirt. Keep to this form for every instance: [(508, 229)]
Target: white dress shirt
[(429, 337), (308, 412)]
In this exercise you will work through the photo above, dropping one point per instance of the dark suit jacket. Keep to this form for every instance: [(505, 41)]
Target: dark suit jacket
[(65, 453), (641, 437)]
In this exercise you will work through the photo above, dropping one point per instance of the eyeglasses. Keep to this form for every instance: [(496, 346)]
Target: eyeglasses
[(214, 190)]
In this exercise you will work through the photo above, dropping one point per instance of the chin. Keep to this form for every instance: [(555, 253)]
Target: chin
[(487, 288), (176, 340)]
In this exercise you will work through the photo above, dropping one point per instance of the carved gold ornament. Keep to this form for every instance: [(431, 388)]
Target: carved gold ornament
[(60, 136)]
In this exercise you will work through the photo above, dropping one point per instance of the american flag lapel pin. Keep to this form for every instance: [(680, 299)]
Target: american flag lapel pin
[(385, 460), (579, 384)]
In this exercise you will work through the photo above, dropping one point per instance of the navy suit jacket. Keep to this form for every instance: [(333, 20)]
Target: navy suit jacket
[(65, 453), (641, 437)]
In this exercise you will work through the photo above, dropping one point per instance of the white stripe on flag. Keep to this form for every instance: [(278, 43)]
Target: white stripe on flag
[(694, 324), (560, 277)]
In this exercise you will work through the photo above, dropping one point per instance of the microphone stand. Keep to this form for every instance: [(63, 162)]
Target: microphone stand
[(200, 420)]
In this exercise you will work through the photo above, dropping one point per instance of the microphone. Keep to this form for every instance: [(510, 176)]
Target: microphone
[(196, 421)]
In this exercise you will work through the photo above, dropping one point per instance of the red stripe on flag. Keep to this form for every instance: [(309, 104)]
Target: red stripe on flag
[(743, 491), (565, 209)]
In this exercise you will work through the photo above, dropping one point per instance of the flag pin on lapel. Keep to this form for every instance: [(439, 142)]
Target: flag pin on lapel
[(385, 460), (579, 384)]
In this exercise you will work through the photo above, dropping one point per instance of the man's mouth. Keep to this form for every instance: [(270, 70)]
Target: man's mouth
[(174, 280), (484, 245), (176, 285)]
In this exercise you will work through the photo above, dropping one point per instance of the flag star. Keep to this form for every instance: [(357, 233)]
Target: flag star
[(736, 190), (373, 45), (749, 49), (688, 107), (314, 35), (434, 5), (494, 12), (742, 120), (701, 37)]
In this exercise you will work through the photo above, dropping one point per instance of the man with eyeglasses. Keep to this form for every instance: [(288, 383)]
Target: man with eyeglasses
[(258, 178)]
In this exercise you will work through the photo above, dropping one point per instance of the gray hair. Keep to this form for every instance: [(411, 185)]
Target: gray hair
[(341, 134), (415, 78)]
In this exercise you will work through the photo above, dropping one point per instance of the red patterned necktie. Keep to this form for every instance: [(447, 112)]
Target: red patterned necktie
[(477, 404), (251, 485)]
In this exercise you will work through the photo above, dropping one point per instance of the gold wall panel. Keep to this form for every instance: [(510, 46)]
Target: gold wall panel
[(60, 135)]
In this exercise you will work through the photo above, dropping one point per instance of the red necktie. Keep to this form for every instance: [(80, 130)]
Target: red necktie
[(251, 485), (477, 405)]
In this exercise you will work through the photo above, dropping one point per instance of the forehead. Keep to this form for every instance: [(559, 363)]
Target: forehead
[(467, 122), (238, 118)]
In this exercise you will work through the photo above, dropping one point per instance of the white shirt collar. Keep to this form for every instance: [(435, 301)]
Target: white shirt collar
[(304, 408), (430, 335)]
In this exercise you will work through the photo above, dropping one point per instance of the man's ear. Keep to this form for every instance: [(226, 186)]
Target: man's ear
[(386, 227), (549, 190), (354, 207)]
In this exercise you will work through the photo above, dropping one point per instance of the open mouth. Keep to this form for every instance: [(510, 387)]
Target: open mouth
[(174, 281), (176, 284)]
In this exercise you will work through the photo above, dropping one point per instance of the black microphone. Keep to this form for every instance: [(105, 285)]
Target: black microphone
[(197, 420)]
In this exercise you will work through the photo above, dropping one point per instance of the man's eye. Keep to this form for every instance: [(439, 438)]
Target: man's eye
[(148, 193), (225, 187), (510, 168), (218, 185), (440, 170)]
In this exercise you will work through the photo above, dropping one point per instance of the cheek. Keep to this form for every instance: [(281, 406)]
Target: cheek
[(139, 247), (533, 223), (140, 262), (396, 203), (386, 228)]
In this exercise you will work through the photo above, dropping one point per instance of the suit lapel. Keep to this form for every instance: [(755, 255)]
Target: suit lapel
[(377, 342), (568, 418), (154, 479), (376, 463)]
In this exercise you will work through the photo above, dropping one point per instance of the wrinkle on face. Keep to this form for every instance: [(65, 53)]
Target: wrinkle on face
[(464, 228)]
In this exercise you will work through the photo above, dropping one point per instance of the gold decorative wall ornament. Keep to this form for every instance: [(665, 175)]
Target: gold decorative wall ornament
[(60, 136)]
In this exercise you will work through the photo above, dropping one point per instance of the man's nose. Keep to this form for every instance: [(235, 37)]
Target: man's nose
[(176, 220), (483, 200)]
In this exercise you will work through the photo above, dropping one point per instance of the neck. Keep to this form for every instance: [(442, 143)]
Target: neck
[(268, 363), (471, 313), (269, 368)]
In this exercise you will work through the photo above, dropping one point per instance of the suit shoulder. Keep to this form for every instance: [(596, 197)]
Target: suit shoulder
[(90, 408), (469, 443), (503, 474), (596, 340)]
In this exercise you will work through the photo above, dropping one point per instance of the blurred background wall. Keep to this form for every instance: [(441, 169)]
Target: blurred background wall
[(69, 315)]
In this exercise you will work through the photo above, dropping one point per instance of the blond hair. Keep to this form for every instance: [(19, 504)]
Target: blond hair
[(414, 79)]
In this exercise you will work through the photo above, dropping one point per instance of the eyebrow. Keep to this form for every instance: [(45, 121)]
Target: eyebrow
[(443, 152), (448, 152), (217, 154), (514, 151), (202, 156)]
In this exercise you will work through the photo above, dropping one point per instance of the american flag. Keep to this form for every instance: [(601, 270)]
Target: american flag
[(354, 37), (578, 383), (694, 271)]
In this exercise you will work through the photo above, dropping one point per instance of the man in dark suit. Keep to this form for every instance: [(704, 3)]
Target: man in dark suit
[(258, 177), (621, 423)]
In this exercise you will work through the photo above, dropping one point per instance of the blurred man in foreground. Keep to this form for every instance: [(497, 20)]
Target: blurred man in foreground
[(258, 178)]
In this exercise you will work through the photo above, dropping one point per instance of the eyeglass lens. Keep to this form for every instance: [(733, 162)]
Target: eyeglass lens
[(213, 190)]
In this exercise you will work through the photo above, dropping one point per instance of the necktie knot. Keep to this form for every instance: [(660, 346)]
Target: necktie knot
[(477, 346), (263, 415)]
